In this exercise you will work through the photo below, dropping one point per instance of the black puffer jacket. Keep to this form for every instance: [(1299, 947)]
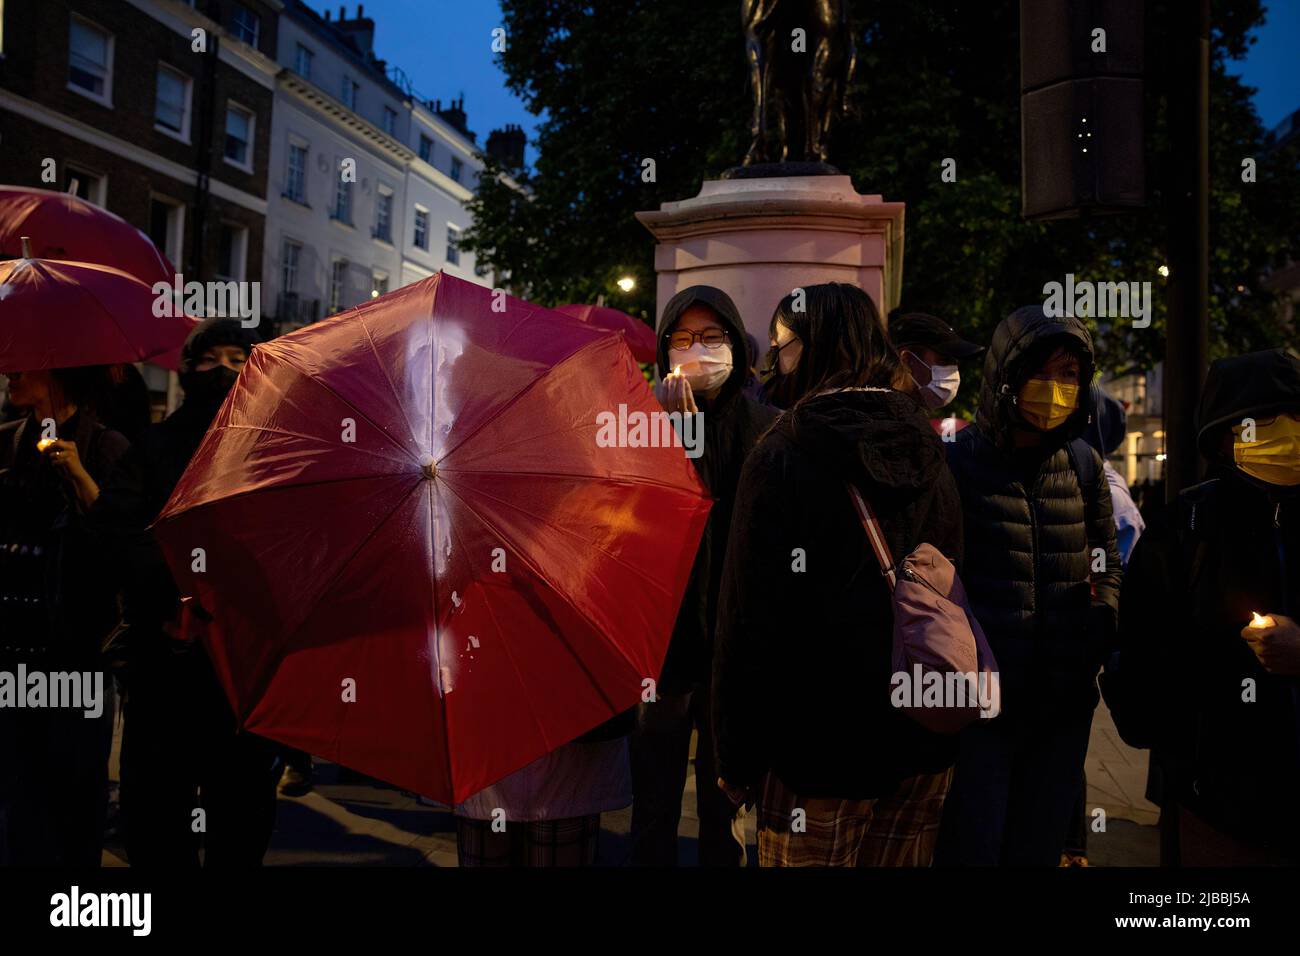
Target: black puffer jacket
[(733, 423), (1225, 548), (802, 666), (1031, 532)]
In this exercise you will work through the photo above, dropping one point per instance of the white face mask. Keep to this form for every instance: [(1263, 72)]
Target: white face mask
[(944, 382), (704, 368)]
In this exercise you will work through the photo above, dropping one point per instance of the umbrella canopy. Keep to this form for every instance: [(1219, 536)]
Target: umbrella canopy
[(62, 314), (64, 226), (422, 559), (640, 337)]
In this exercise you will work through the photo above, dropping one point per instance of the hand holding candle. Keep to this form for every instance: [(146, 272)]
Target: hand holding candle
[(674, 393), (1275, 639)]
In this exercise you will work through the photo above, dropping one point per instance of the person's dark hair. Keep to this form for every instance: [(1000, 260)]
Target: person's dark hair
[(81, 385), (844, 341), (124, 405)]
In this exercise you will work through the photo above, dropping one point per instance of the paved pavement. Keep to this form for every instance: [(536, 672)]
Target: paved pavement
[(348, 820)]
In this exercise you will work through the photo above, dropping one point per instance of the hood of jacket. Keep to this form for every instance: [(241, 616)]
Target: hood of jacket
[(1256, 385), (721, 305), (1022, 335), (879, 439)]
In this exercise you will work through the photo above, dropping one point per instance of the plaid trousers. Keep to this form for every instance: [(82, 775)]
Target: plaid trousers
[(568, 842), (899, 829)]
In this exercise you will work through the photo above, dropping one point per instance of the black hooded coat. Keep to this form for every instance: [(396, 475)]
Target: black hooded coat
[(1223, 729), (1032, 530), (802, 667), (733, 423)]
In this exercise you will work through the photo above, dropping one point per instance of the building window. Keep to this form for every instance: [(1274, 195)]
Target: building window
[(295, 180), (343, 201), (338, 278), (453, 237), (232, 247), (88, 186), (456, 168), (90, 61), (167, 226), (289, 266), (350, 91), (245, 24), (426, 148), (171, 111), (378, 284), (390, 120), (384, 216), (239, 136), (421, 228), (302, 62)]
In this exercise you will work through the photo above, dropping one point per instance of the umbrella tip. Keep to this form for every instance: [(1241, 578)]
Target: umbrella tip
[(27, 247), (430, 470)]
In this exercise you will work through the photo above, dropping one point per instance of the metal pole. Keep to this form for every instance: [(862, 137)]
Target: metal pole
[(1186, 333)]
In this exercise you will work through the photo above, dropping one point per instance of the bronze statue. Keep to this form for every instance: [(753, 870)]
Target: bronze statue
[(805, 77)]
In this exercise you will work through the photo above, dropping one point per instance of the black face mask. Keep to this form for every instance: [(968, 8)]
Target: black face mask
[(209, 388)]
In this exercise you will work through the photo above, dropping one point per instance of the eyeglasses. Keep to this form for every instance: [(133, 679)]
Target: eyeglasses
[(711, 338)]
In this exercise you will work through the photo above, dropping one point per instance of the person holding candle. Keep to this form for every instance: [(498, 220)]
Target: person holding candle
[(56, 607), (1209, 658), (704, 366)]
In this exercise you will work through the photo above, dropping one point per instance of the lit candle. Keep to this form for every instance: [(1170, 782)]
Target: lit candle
[(1258, 620), (44, 443)]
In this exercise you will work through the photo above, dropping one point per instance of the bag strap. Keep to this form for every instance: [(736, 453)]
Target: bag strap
[(874, 534)]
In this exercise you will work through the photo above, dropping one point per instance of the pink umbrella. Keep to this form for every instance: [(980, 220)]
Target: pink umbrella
[(640, 337)]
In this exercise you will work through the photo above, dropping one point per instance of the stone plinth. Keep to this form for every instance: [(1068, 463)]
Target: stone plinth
[(757, 239)]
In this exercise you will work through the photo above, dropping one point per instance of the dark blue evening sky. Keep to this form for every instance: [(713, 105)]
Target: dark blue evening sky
[(445, 46)]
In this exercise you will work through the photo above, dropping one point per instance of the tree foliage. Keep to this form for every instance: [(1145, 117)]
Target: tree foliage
[(620, 81)]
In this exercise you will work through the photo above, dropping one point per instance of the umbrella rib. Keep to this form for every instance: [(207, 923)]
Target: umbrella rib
[(279, 354), (288, 637), (311, 438), (638, 480), (112, 317), (514, 399), (560, 591), (193, 509), (410, 429)]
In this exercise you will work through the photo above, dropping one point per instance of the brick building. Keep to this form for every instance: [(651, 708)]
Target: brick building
[(173, 140)]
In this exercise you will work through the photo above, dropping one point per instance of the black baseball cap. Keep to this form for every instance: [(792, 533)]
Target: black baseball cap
[(931, 332)]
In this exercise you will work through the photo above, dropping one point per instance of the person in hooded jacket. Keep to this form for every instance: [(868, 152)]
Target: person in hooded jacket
[(57, 605), (181, 747), (704, 364), (1042, 573), (1214, 697), (802, 711)]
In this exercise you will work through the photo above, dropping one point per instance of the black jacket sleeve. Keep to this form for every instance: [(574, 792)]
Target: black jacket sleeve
[(755, 584), (1099, 519)]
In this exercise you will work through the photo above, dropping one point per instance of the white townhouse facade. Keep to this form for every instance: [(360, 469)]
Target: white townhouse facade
[(335, 240)]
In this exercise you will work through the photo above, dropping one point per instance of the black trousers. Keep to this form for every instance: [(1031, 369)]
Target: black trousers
[(54, 780), (1014, 791), (190, 778), (660, 752)]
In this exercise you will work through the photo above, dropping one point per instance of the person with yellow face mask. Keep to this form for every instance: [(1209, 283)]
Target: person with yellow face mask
[(1042, 570), (1209, 658)]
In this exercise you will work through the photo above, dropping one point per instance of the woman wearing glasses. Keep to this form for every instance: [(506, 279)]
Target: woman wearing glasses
[(704, 365)]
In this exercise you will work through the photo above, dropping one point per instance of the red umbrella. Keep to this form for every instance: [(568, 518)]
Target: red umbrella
[(640, 337), (62, 314), (422, 560), (64, 226)]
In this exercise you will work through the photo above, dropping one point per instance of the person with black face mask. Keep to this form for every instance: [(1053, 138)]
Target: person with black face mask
[(181, 747), (1208, 669)]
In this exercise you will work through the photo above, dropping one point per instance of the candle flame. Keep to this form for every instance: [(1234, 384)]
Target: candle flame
[(44, 443), (1260, 620)]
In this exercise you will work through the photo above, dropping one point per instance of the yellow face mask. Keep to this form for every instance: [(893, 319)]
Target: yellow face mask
[(1046, 404), (1274, 455)]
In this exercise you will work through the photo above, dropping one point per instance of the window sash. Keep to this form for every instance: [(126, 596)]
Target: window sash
[(237, 138), (170, 108)]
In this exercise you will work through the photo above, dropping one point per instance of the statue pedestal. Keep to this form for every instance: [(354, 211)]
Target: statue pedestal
[(758, 239)]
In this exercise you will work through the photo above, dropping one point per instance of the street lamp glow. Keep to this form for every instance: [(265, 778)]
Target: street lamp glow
[(1164, 271), (627, 283), (374, 293)]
